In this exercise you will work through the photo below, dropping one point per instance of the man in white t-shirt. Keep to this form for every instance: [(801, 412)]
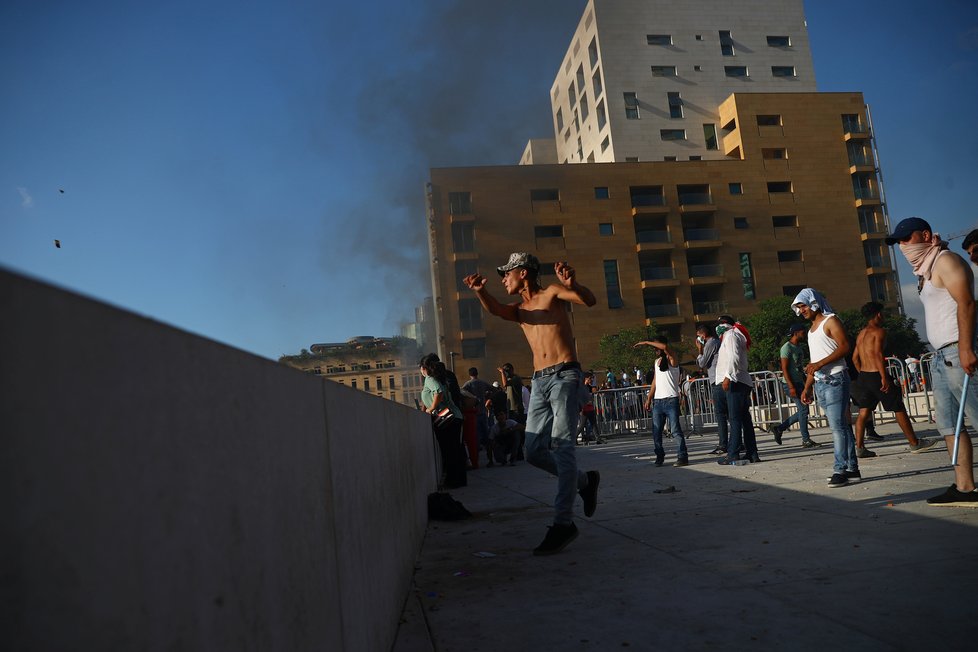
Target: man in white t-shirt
[(663, 398)]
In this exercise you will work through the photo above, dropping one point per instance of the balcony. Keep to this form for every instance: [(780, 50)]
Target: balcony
[(861, 163), (855, 131), (696, 202), (701, 238), (708, 310), (649, 203), (664, 313), (658, 277), (706, 275), (653, 240), (866, 196)]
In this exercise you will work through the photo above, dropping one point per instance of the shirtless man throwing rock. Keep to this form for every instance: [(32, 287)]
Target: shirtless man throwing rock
[(551, 420)]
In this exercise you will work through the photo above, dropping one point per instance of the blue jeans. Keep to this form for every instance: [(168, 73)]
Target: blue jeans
[(551, 422), (741, 425), (662, 408), (832, 393), (720, 407), (946, 383), (800, 416)]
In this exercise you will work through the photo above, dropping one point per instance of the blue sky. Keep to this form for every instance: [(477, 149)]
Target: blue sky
[(253, 171)]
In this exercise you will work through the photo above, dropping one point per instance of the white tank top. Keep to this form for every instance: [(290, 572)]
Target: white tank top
[(940, 314), (821, 346), (666, 382)]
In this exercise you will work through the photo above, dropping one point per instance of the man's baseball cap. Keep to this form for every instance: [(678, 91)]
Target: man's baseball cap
[(520, 259), (794, 328), (907, 227)]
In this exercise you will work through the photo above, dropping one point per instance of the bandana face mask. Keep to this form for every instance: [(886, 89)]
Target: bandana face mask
[(723, 328)]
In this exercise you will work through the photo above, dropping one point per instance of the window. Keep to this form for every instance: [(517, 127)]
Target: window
[(669, 158), (769, 121), (612, 284), (605, 143), (366, 384), (469, 314), (726, 44), (747, 276), (596, 84), (380, 382), (601, 192), (695, 158), (735, 71), (390, 382), (793, 256), (584, 107), (741, 223), (460, 203), (606, 228), (571, 95), (675, 105), (631, 106), (663, 71), (672, 134), (474, 348), (580, 77), (560, 119), (852, 123), (602, 117), (464, 268), (736, 188), (699, 37), (779, 186), (710, 135), (782, 221), (592, 53), (631, 159), (463, 236), (779, 41), (697, 68), (659, 39), (549, 231), (783, 71), (792, 290), (545, 194), (878, 288), (774, 153), (353, 383)]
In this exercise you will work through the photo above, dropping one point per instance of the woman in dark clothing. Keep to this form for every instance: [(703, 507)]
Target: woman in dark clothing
[(435, 396)]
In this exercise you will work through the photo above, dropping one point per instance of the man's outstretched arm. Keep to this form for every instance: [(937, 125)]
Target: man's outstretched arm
[(477, 283)]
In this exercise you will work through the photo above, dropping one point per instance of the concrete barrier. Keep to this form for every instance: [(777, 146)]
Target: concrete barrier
[(163, 491)]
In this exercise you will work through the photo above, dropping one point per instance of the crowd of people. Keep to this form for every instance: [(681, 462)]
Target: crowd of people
[(544, 420)]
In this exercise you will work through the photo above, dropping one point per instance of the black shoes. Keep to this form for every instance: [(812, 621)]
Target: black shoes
[(682, 461), (954, 498), (872, 435), (838, 480), (778, 432), (755, 459), (558, 536), (589, 494), (659, 459)]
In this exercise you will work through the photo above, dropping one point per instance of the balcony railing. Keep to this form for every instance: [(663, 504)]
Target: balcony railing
[(709, 307), (658, 273), (661, 310), (695, 198), (705, 270), (648, 200), (854, 127), (866, 193), (653, 236), (860, 159), (872, 226), (874, 260), (696, 235)]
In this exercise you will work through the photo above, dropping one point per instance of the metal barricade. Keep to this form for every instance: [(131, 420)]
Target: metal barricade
[(622, 411)]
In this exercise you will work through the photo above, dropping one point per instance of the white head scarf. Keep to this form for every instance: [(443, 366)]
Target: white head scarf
[(814, 300)]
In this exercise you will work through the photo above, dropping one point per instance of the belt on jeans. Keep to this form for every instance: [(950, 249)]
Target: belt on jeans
[(557, 368), (954, 343)]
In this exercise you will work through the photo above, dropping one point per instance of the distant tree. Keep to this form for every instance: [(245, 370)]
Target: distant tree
[(768, 331), (901, 332), (619, 354)]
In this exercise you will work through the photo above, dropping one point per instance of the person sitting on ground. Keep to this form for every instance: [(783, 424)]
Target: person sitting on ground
[(504, 437), (873, 385)]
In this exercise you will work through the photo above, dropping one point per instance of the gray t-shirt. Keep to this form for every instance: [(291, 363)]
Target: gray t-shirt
[(708, 359)]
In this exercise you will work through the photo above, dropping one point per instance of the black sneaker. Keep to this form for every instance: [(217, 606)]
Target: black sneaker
[(811, 443), (778, 432), (872, 435), (954, 498), (838, 480), (589, 494), (853, 476), (682, 461), (659, 459), (558, 536)]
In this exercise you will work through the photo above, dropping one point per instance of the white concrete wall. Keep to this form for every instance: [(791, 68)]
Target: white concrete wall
[(162, 491)]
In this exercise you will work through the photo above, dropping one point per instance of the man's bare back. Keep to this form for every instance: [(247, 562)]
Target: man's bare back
[(869, 349)]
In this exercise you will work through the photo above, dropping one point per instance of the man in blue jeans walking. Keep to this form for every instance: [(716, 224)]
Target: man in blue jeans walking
[(664, 399), (793, 371), (555, 399)]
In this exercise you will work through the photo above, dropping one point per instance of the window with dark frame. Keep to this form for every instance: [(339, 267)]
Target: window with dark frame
[(548, 231), (613, 284), (463, 237)]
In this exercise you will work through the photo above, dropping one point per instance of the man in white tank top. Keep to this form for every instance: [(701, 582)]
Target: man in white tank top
[(828, 346), (663, 398), (947, 292)]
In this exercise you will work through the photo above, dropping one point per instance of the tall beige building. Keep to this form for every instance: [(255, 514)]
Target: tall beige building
[(786, 195)]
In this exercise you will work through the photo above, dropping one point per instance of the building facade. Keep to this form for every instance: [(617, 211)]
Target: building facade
[(708, 196), (642, 79)]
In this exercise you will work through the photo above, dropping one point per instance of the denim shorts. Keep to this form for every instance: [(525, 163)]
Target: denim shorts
[(947, 378)]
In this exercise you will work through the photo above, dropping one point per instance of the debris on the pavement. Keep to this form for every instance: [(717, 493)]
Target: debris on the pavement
[(483, 554), (667, 490), (462, 573)]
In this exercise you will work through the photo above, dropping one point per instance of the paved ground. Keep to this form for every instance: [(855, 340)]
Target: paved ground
[(755, 557)]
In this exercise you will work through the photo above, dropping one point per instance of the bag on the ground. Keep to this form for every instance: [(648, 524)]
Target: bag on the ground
[(442, 507)]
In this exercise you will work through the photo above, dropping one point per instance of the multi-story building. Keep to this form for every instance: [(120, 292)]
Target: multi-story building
[(381, 365), (642, 79), (782, 193)]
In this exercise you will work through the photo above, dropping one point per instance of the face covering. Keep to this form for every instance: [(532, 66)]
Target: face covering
[(723, 328), (923, 255)]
